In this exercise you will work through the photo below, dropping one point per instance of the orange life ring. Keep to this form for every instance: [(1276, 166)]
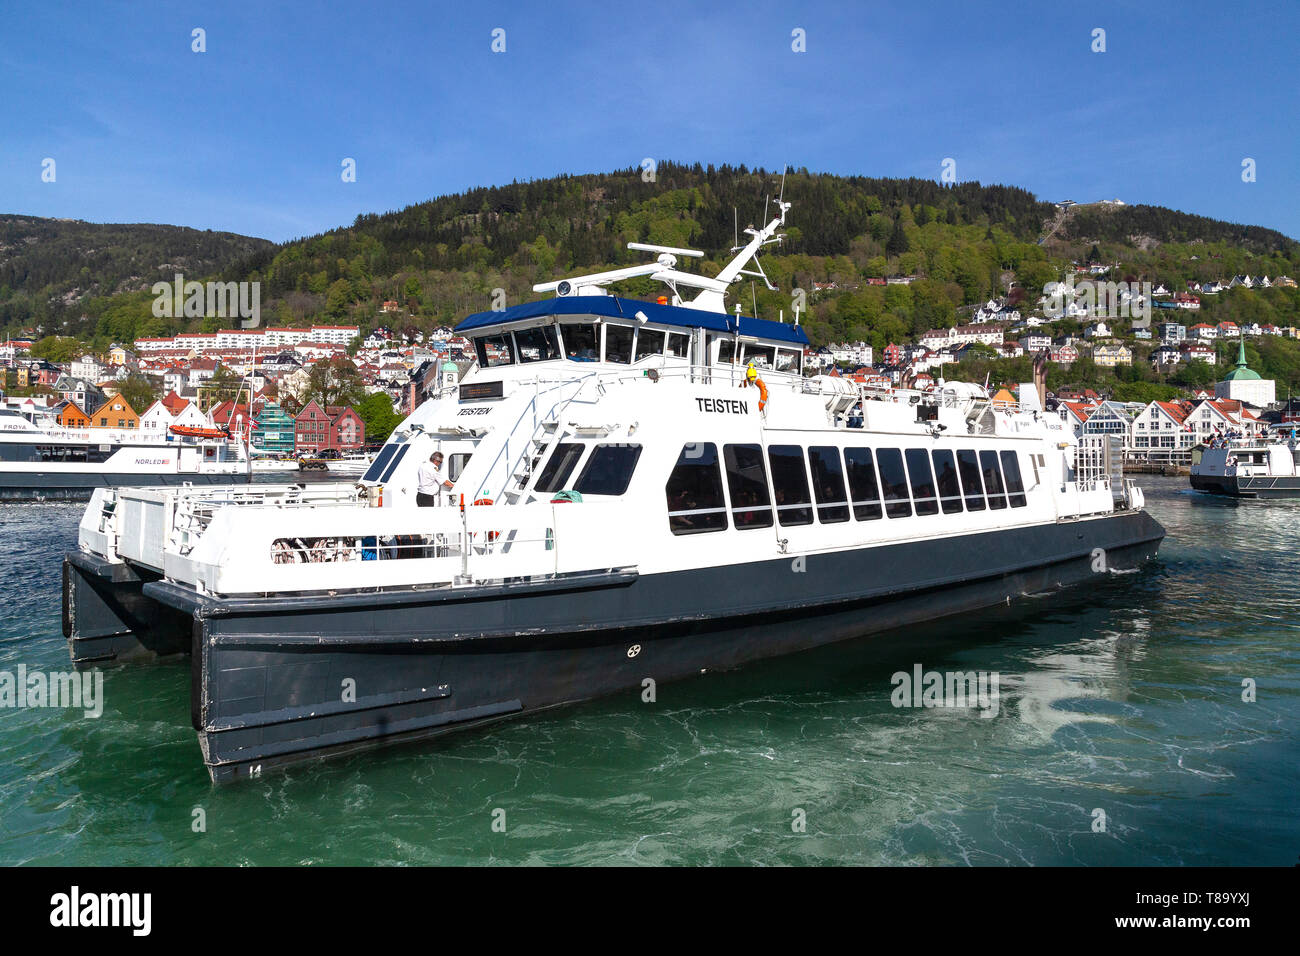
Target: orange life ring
[(491, 535), (762, 391)]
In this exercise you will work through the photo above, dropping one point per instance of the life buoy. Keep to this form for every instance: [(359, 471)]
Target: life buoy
[(762, 391), (491, 535)]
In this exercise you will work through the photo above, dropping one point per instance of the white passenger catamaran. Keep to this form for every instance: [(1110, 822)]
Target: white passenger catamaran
[(39, 459), (625, 507)]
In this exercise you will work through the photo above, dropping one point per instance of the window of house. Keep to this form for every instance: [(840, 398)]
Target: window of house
[(861, 471), (968, 467), (828, 484), (581, 341), (559, 466), (694, 491), (1015, 484), (993, 480), (945, 476), (649, 342), (608, 470), (539, 344), (618, 344), (751, 504), (790, 481), (893, 482), (922, 481)]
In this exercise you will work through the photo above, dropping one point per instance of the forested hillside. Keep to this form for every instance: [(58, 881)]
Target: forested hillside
[(442, 259)]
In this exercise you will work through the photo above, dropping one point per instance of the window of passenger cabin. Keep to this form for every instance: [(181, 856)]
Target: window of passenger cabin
[(649, 342), (790, 481), (608, 470), (993, 479), (893, 482), (494, 350), (763, 356), (694, 491), (679, 344), (828, 484), (862, 483), (945, 476), (787, 360), (922, 479), (581, 341), (618, 344), (538, 344), (1015, 484), (456, 464), (751, 505), (968, 467), (559, 466)]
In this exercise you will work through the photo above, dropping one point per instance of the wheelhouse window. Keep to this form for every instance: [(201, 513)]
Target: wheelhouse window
[(581, 341), (945, 477), (893, 482), (726, 351), (694, 491), (993, 480), (649, 342), (922, 480), (763, 356), (787, 360), (790, 481), (861, 471), (559, 466), (968, 468), (828, 484), (679, 344), (751, 505), (539, 344), (618, 344), (494, 350), (608, 470), (1015, 484), (456, 464)]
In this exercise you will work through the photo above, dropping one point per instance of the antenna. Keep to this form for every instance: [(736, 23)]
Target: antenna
[(735, 227)]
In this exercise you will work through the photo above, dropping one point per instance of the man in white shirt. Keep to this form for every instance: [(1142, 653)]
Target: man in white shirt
[(431, 482)]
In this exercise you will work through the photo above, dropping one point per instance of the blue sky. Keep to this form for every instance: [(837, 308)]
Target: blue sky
[(249, 136)]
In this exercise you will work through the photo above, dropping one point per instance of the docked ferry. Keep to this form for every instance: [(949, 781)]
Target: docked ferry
[(1266, 466), (630, 502), (40, 460)]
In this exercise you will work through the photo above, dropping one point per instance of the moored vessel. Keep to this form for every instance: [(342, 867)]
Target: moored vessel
[(641, 490), (1265, 466)]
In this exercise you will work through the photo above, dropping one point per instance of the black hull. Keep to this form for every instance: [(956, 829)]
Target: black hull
[(41, 486), (271, 677), (1255, 487)]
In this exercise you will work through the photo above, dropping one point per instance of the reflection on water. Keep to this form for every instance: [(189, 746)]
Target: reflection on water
[(1124, 696)]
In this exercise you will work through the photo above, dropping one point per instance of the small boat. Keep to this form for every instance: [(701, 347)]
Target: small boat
[(198, 431), (1264, 467)]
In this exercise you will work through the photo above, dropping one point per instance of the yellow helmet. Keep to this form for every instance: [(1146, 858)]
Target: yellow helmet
[(751, 373)]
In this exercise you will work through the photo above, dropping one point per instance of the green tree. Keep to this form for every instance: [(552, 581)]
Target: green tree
[(138, 391), (335, 381), (58, 348), (376, 410), (897, 243)]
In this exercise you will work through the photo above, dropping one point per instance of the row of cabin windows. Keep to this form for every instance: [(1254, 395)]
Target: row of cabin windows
[(888, 482), (623, 345), (579, 342)]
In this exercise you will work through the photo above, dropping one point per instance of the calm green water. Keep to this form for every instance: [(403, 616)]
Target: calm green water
[(1123, 696)]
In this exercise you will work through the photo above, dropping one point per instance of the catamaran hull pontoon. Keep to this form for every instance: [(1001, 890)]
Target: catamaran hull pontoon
[(270, 675)]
